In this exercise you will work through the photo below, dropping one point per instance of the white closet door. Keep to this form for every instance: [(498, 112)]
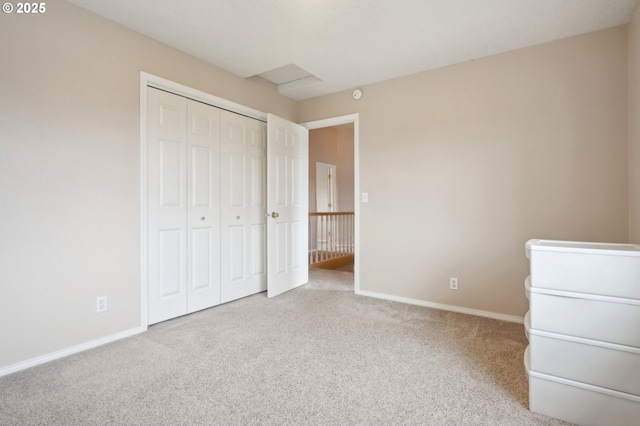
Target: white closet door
[(257, 145), (207, 199), (167, 205), (183, 181), (287, 202), (203, 213), (242, 206)]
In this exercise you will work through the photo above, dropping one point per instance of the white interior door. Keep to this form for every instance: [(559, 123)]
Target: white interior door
[(287, 205)]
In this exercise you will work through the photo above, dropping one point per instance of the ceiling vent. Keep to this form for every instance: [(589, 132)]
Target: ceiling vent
[(289, 77)]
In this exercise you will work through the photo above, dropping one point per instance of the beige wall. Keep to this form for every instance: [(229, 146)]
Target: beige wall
[(634, 126), (323, 146), (466, 163), (69, 165), (462, 164), (333, 145), (345, 172)]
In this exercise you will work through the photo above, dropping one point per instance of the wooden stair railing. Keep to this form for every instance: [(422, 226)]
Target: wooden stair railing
[(331, 239)]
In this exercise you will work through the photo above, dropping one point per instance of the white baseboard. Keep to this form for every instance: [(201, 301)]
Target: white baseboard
[(14, 368), (452, 308)]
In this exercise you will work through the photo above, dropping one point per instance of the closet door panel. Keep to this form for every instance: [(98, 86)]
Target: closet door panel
[(166, 205), (258, 224), (170, 173), (242, 201), (202, 175), (233, 206), (281, 257), (238, 251), (257, 139), (203, 185), (202, 276), (258, 263), (299, 226), (235, 177), (171, 263)]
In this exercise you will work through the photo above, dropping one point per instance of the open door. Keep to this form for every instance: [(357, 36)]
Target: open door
[(287, 205)]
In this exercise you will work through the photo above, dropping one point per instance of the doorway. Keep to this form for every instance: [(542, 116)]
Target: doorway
[(335, 141)]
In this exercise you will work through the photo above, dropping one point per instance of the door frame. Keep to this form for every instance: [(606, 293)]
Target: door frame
[(336, 121), (147, 79)]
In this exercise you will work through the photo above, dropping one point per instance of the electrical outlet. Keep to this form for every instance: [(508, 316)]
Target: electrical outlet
[(101, 304), (453, 283)]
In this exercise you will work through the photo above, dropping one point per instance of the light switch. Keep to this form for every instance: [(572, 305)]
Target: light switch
[(365, 197)]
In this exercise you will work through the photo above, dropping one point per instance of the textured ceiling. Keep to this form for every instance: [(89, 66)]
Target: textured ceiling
[(345, 44)]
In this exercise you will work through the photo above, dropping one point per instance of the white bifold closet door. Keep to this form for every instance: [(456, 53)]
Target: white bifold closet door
[(207, 199), (243, 206), (183, 205)]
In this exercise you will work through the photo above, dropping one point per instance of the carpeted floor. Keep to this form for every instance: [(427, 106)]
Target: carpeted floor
[(317, 355)]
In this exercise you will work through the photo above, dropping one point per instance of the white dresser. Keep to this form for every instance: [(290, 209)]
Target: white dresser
[(583, 326)]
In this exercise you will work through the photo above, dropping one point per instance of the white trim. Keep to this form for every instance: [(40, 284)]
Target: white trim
[(336, 121), (452, 308), (147, 79), (144, 313), (333, 121), (14, 368)]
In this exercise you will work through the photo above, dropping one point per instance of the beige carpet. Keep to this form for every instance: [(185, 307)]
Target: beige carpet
[(317, 355)]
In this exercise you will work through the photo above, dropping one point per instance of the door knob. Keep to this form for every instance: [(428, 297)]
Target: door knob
[(202, 218), (274, 215)]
